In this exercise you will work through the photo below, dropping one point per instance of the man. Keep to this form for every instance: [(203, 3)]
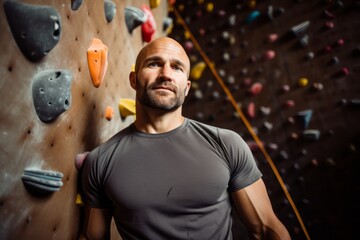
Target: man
[(169, 177)]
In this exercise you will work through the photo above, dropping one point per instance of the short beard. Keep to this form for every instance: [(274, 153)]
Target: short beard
[(151, 99)]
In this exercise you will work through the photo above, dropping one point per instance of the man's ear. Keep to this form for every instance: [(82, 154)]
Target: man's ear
[(188, 85), (132, 78)]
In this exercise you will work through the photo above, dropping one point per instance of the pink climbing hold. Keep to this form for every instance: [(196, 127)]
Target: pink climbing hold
[(289, 103), (272, 37), (269, 54), (148, 28), (251, 110), (329, 25), (256, 88)]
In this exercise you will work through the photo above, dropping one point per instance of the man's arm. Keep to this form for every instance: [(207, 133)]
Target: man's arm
[(97, 224), (254, 208)]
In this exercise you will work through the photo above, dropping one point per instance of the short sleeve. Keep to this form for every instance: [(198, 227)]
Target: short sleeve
[(92, 181), (243, 168)]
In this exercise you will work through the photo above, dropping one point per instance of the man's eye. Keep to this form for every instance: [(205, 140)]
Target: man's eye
[(177, 68), (153, 64)]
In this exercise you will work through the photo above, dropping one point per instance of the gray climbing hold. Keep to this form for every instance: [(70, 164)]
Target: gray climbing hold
[(298, 29), (51, 93), (311, 134), (75, 4), (36, 29), (43, 181), (110, 10), (134, 17)]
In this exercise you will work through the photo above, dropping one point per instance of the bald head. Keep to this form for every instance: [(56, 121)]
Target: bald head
[(160, 45)]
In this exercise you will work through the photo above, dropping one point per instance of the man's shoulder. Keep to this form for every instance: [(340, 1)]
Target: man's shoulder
[(219, 132)]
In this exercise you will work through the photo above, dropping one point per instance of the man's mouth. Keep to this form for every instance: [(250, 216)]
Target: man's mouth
[(161, 87)]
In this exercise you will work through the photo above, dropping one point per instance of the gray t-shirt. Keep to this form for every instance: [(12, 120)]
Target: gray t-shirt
[(173, 185)]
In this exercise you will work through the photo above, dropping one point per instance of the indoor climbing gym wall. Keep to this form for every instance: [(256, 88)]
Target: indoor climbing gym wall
[(285, 75), (64, 89)]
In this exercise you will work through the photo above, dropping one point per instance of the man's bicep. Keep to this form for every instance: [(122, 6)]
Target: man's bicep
[(97, 223)]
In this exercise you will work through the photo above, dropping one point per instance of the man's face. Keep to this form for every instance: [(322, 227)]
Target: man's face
[(162, 75)]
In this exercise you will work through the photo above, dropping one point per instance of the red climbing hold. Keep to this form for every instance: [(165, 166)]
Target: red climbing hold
[(97, 61), (148, 28)]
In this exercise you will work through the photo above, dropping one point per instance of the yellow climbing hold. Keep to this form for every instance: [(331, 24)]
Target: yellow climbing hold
[(79, 200), (303, 82), (187, 35), (126, 107), (210, 7), (197, 70), (133, 67), (252, 4), (154, 3), (200, 2)]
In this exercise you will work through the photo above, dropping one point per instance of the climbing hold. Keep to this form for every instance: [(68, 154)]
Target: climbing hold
[(289, 103), (265, 110), (79, 200), (311, 134), (269, 54), (304, 40), (303, 82), (252, 16), (126, 107), (268, 125), (355, 102), (285, 88), (109, 113), (270, 12), (334, 60), (148, 28), (329, 25), (75, 4), (340, 42), (51, 93), (197, 70), (42, 181), (210, 7), (36, 28), (167, 24), (97, 61), (342, 72), (284, 155), (188, 46), (328, 14), (134, 17), (318, 86), (272, 37), (232, 20), (298, 29), (79, 160), (251, 110), (154, 3), (305, 116), (198, 94), (256, 88), (310, 55), (252, 4), (110, 10)]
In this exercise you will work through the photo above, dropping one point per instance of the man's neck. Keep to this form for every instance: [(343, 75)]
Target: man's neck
[(155, 122)]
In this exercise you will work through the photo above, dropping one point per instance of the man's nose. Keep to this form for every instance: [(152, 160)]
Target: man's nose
[(166, 72)]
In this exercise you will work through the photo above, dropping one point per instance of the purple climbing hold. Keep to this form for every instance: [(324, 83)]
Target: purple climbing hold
[(305, 116), (36, 28), (134, 17), (51, 92), (75, 4), (110, 10)]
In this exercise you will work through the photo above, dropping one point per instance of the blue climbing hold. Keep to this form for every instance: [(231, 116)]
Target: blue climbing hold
[(305, 116), (110, 10), (252, 16), (36, 28), (311, 134), (51, 93)]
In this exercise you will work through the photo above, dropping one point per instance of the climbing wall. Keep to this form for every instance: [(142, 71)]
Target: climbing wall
[(64, 68), (293, 69)]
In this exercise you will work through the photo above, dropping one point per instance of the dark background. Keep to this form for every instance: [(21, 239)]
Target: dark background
[(320, 175)]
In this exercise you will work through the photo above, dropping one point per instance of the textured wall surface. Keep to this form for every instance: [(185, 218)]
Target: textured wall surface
[(321, 175), (28, 142)]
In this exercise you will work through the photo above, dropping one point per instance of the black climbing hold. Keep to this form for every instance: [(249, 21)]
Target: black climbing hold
[(110, 10), (134, 17), (75, 4), (51, 93), (36, 28), (42, 181)]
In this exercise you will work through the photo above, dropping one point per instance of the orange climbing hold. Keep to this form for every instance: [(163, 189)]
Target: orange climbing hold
[(97, 61), (109, 113)]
